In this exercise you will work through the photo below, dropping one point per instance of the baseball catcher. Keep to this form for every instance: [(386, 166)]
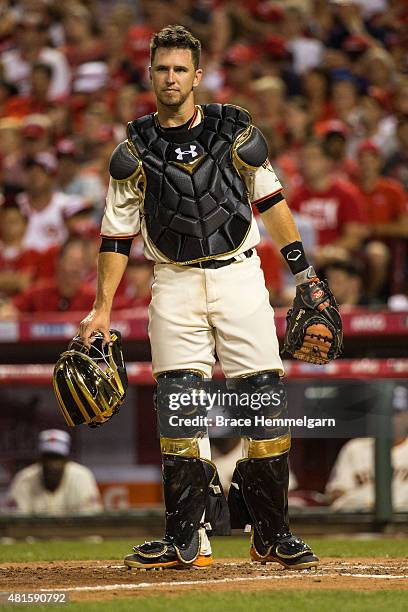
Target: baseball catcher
[(186, 178)]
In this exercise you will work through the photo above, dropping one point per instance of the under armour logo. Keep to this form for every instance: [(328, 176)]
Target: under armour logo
[(192, 151), (294, 255)]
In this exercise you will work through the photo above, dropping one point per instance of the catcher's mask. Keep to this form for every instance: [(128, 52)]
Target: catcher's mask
[(90, 384)]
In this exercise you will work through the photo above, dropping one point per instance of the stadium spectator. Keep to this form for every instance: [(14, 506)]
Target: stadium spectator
[(31, 47), (238, 74), (66, 292), (83, 43), (316, 89), (54, 485), (38, 99), (346, 280), (386, 210), (351, 484), (120, 68), (36, 134), (331, 205), (18, 265), (11, 157), (344, 98), (396, 166), (43, 204), (307, 52), (269, 93), (73, 180), (334, 137), (374, 124)]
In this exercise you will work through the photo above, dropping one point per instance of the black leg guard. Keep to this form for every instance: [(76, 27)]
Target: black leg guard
[(259, 491), (258, 497), (192, 491), (189, 485)]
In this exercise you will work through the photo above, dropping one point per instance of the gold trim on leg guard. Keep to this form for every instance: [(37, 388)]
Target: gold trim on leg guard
[(260, 449), (186, 447)]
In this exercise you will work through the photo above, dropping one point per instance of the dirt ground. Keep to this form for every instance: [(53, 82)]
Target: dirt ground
[(97, 580)]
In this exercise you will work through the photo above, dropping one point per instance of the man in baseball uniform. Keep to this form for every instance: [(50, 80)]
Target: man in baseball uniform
[(186, 178), (54, 485)]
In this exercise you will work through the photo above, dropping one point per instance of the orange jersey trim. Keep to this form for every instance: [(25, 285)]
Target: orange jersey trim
[(270, 195), (119, 237)]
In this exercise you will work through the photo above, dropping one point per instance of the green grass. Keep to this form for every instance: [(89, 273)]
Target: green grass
[(222, 548), (282, 601)]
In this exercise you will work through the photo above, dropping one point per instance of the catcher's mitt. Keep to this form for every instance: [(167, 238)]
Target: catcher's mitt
[(314, 331)]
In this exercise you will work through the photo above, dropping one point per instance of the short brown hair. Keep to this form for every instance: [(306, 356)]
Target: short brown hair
[(176, 37)]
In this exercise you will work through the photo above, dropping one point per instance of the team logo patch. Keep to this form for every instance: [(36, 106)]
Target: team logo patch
[(192, 152), (294, 255), (317, 294), (186, 153)]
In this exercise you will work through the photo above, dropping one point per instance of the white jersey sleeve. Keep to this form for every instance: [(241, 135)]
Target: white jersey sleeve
[(121, 218), (261, 183)]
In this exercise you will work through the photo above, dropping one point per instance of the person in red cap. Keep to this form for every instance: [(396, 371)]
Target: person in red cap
[(386, 209), (334, 133), (238, 72)]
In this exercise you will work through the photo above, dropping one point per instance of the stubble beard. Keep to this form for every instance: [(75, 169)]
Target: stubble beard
[(176, 104)]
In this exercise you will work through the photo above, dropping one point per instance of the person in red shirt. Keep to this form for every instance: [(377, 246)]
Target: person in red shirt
[(386, 208), (18, 265), (331, 204), (385, 200), (64, 293)]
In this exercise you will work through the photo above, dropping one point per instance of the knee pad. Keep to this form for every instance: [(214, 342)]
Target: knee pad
[(179, 416), (267, 409)]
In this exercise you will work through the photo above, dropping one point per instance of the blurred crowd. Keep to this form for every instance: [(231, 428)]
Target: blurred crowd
[(325, 80)]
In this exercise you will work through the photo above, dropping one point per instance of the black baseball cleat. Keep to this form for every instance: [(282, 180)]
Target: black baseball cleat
[(288, 550), (163, 554)]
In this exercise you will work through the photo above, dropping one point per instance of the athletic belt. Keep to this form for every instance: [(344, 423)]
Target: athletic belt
[(220, 263)]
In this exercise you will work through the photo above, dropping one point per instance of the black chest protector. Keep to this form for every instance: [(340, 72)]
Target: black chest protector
[(196, 205)]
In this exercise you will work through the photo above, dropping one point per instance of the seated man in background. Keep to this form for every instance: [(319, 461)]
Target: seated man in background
[(55, 485), (66, 292), (351, 485), (385, 205), (346, 279)]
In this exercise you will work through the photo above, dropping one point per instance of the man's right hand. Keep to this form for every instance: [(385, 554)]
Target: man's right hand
[(97, 320)]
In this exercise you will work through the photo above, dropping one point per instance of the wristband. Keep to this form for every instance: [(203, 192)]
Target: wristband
[(114, 245), (295, 257)]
